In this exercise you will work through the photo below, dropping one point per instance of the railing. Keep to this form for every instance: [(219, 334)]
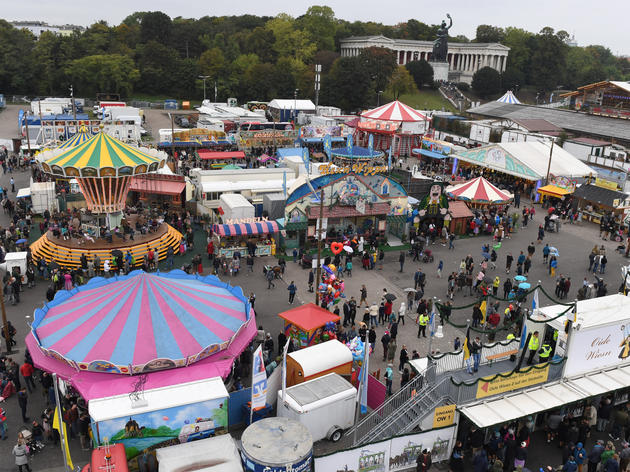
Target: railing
[(609, 162), (393, 403), (452, 361)]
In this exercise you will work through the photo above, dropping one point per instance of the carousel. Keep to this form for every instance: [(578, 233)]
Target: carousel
[(394, 126), (104, 168), (479, 193)]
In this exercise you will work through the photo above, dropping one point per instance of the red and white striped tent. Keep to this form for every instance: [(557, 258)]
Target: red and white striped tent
[(479, 190), (394, 111)]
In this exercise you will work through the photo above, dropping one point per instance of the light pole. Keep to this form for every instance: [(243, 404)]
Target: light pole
[(204, 78), (74, 109), (295, 93)]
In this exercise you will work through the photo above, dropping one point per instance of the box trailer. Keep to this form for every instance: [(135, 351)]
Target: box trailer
[(325, 405), (236, 207), (318, 360)]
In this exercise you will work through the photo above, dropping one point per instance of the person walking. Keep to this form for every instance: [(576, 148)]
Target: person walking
[(403, 358), (20, 452), (270, 275), (385, 340), (292, 290), (27, 372), (401, 260), (364, 294), (423, 321), (391, 350), (508, 262), (389, 378), (22, 402), (475, 351), (3, 424)]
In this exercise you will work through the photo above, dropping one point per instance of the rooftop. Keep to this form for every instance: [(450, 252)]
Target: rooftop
[(422, 43), (565, 119)]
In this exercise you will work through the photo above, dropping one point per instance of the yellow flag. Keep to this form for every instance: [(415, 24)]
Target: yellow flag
[(65, 435), (483, 307)]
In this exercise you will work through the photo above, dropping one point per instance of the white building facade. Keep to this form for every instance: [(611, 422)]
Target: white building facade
[(464, 59)]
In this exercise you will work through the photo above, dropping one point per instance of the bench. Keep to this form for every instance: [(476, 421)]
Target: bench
[(501, 355)]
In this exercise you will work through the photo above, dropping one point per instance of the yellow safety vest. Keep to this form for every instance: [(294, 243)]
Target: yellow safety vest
[(545, 351), (555, 335), (534, 343), (510, 337), (423, 320)]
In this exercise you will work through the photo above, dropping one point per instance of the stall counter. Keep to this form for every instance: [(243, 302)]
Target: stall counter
[(261, 250)]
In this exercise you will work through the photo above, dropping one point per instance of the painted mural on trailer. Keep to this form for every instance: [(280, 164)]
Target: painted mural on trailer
[(180, 424), (346, 190)]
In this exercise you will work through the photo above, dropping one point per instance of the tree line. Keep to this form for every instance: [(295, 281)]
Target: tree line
[(261, 58)]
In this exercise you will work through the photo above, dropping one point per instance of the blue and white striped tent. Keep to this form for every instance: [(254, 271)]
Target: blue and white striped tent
[(509, 98)]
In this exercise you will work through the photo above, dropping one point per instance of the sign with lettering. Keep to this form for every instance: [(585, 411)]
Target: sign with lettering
[(609, 184), (238, 221), (444, 416), (597, 348), (511, 382), (358, 168)]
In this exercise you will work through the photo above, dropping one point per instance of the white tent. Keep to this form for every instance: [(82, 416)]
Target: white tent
[(290, 104), (509, 97), (528, 160)]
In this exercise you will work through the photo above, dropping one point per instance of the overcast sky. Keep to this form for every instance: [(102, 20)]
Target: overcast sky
[(591, 22)]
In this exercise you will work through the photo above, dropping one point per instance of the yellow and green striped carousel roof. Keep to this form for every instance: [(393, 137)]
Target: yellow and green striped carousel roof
[(101, 151), (82, 136)]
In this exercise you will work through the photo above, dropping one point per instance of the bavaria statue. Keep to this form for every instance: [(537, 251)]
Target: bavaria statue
[(440, 45)]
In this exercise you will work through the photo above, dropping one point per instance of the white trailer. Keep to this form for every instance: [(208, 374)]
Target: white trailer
[(236, 207), (43, 197), (325, 405)]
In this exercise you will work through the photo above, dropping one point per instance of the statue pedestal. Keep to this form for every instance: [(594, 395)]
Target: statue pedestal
[(440, 71)]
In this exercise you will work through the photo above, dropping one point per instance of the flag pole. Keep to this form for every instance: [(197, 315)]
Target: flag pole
[(432, 324), (61, 423), (465, 341), (251, 398), (357, 410)]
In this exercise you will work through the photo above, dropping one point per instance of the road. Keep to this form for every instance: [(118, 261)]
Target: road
[(573, 242)]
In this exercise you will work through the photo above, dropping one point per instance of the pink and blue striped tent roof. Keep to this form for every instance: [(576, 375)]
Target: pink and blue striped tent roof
[(141, 322), (261, 227)]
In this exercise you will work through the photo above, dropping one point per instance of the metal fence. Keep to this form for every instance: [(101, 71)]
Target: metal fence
[(452, 361)]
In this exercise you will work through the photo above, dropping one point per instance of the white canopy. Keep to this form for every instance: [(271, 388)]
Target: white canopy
[(218, 454), (528, 160), (546, 397), (23, 192), (290, 104)]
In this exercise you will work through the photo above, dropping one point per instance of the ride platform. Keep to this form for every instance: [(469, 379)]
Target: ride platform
[(67, 253)]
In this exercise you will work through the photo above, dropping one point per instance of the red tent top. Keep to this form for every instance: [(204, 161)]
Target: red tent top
[(394, 111), (205, 154), (308, 317), (479, 190)]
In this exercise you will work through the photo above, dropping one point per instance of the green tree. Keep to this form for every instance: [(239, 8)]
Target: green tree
[(486, 81), (519, 42), (289, 41), (348, 84), (155, 26), (260, 42), (548, 61), (512, 79), (260, 81), (421, 71), (319, 22), (401, 82), (103, 73), (156, 63), (380, 64), (489, 34), (212, 62), (17, 64)]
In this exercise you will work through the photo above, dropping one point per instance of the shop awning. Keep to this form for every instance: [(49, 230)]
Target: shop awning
[(23, 192), (554, 191), (242, 229), (546, 397), (206, 154), (339, 211), (161, 187), (426, 152), (459, 209), (602, 196)]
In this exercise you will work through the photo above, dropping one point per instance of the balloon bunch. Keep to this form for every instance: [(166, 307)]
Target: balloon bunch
[(356, 347), (330, 287), (330, 331)]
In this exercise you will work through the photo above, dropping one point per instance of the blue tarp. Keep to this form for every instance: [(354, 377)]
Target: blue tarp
[(286, 152), (426, 152), (334, 139)]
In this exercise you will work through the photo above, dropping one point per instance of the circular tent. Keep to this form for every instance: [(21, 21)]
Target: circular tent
[(355, 154), (479, 191), (103, 166), (394, 111), (394, 126), (509, 97), (141, 322), (82, 136)]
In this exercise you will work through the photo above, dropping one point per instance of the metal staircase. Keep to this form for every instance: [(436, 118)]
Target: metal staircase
[(404, 410)]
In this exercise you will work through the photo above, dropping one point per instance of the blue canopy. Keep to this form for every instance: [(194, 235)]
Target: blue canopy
[(426, 152)]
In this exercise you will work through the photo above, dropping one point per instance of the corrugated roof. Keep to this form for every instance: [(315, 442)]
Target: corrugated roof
[(537, 125), (600, 195), (590, 141), (459, 209), (565, 119)]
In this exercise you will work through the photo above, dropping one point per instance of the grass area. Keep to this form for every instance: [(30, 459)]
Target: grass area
[(426, 99)]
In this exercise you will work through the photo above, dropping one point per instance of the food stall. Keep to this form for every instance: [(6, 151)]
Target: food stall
[(308, 324), (595, 201), (232, 238)]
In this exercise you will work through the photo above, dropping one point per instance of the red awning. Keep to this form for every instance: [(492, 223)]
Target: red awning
[(162, 187), (339, 211), (206, 154), (309, 316)]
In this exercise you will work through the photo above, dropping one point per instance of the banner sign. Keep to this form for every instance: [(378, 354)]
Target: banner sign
[(444, 416), (597, 348), (358, 168), (259, 380), (512, 382)]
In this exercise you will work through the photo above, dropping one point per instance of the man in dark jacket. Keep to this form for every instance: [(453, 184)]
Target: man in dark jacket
[(23, 401)]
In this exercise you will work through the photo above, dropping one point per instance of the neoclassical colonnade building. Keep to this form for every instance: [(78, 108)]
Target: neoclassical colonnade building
[(464, 58)]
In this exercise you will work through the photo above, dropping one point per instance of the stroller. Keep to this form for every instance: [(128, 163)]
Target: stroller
[(34, 446), (427, 256)]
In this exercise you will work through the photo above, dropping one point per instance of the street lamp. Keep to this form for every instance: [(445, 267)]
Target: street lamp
[(295, 94), (204, 78), (378, 98)]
